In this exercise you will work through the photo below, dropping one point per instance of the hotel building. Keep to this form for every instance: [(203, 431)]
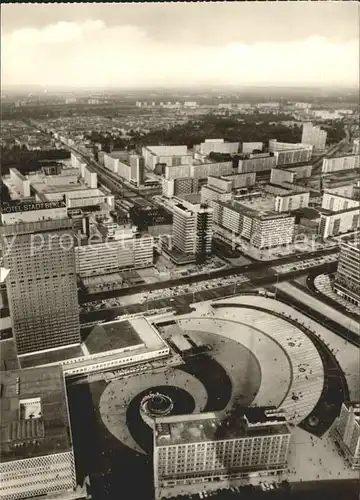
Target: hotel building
[(346, 433), (201, 448), (347, 281), (42, 284)]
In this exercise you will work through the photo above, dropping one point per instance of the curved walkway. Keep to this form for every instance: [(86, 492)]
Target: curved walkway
[(346, 354), (307, 368), (274, 384), (118, 394)]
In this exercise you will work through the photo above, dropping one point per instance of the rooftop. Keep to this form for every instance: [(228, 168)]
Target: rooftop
[(253, 208), (111, 336), (48, 357), (34, 414), (182, 429)]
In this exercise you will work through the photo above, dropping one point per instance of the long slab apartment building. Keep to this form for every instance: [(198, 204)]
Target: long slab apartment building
[(262, 229), (207, 447)]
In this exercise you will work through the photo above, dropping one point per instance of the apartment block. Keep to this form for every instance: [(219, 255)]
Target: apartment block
[(259, 163), (337, 202), (175, 172), (218, 146), (217, 169), (347, 281), (276, 146), (289, 156), (348, 162), (262, 228), (313, 135), (356, 146), (169, 155), (192, 228), (250, 147), (336, 223), (179, 187)]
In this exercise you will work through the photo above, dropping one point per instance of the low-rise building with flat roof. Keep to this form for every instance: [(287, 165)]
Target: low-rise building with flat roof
[(118, 344), (37, 455)]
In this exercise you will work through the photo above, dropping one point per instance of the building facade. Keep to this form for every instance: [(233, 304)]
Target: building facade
[(192, 228), (42, 284), (260, 230), (349, 162), (37, 456), (346, 433), (347, 280), (218, 146), (356, 146), (129, 252), (291, 201), (336, 223), (256, 164), (313, 135), (288, 156), (200, 448)]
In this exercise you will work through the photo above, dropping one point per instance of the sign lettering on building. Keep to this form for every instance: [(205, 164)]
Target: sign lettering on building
[(8, 208)]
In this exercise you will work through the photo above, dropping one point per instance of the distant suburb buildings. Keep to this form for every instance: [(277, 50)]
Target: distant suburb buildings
[(206, 447), (347, 280), (37, 455)]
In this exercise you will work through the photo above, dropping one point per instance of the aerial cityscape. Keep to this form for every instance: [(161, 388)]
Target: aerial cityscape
[(180, 251)]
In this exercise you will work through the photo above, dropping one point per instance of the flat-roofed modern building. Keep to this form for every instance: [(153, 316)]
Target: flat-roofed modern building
[(250, 147), (255, 222), (340, 222), (37, 457), (192, 228), (261, 163), (347, 281), (313, 135), (356, 146), (275, 145), (132, 251), (42, 284), (346, 433), (115, 345), (207, 447), (348, 162), (218, 146), (289, 156), (169, 155)]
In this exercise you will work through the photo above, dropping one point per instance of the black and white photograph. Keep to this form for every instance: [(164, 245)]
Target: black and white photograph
[(180, 251)]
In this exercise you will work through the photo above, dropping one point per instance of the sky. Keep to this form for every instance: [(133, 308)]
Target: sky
[(171, 45)]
